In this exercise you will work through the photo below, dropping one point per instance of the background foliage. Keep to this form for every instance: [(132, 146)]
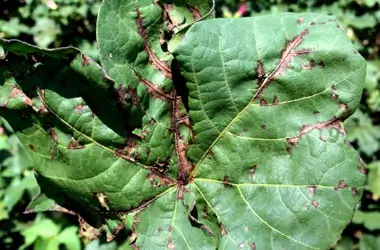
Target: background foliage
[(54, 23)]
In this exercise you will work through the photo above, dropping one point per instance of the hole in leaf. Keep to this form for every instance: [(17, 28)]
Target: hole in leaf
[(193, 217), (180, 84)]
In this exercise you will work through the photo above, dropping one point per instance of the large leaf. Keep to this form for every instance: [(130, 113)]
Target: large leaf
[(254, 157)]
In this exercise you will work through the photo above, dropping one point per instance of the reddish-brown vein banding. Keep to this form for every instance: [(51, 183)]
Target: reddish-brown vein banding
[(195, 12), (332, 124), (260, 72), (156, 63), (153, 89), (177, 119), (285, 57), (18, 92)]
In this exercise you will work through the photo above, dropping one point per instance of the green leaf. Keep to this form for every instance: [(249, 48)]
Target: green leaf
[(40, 203), (265, 114), (369, 219), (69, 238), (360, 128), (374, 177), (250, 155), (41, 232), (369, 242), (345, 243)]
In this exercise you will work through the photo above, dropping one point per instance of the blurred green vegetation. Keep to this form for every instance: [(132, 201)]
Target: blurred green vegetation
[(55, 23)]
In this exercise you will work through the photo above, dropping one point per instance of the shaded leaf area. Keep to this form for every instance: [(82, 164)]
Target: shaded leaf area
[(266, 111), (138, 60), (63, 108)]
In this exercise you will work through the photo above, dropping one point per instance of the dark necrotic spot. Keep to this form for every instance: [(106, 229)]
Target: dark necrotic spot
[(289, 150), (252, 170), (300, 20), (263, 102), (312, 189), (226, 181), (147, 151), (354, 191), (275, 100), (252, 246), (315, 203)]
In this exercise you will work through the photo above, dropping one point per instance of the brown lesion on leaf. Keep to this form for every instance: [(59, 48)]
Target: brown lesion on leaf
[(79, 108), (285, 58), (362, 168), (85, 60), (178, 120), (341, 185), (127, 95), (312, 189), (316, 112), (223, 230), (300, 20), (309, 66), (156, 63), (226, 181), (354, 192), (210, 154), (334, 92), (115, 232), (102, 199), (343, 106), (312, 64), (263, 102), (252, 170), (87, 231), (154, 90), (260, 72), (339, 26), (74, 144), (52, 153), (16, 92), (252, 245), (53, 135), (157, 180), (171, 245), (289, 150), (331, 124), (195, 13), (275, 100), (292, 140), (207, 230), (31, 147), (315, 203)]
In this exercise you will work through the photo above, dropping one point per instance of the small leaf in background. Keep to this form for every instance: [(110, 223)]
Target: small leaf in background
[(359, 128), (45, 32), (374, 179), (42, 231), (345, 243), (40, 203), (369, 242), (68, 238), (369, 219)]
